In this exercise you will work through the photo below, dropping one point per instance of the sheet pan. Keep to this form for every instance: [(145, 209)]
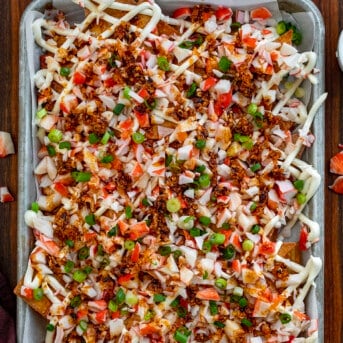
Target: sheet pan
[(27, 318)]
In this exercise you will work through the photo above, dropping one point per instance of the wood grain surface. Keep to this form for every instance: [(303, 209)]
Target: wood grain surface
[(332, 11)]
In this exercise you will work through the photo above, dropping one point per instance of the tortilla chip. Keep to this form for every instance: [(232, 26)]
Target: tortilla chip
[(286, 37), (291, 251), (41, 306)]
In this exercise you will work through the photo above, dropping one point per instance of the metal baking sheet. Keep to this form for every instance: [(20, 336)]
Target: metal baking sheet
[(27, 318)]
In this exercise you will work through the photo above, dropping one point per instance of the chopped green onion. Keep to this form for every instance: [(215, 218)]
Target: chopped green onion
[(299, 185), (69, 266), (191, 90), (299, 92), (128, 212), (118, 109), (206, 247), (173, 205), (229, 252), (204, 181), (243, 302), (224, 64), (50, 327), (145, 202), (236, 25), (131, 298), (64, 71), (285, 318), (120, 296), (217, 238), (200, 144), (149, 315), (246, 322), (196, 232), (65, 145), (255, 167), (297, 37), (107, 159), (252, 109), (38, 293), (246, 141), (213, 307), (205, 275), (112, 305), (112, 61), (113, 232), (41, 113), (253, 207), (150, 104), (301, 198), (281, 27), (83, 325), (181, 312), (177, 254), (79, 276), (175, 303), (164, 250), (105, 138), (220, 283), (90, 219), (75, 302), (247, 245), (93, 138), (186, 44), (55, 135), (169, 159), (181, 335), (129, 245), (100, 250), (200, 169), (226, 226), (138, 137), (51, 150), (158, 298), (87, 270), (206, 221), (219, 325), (235, 298), (83, 253), (126, 93), (255, 229), (163, 63), (35, 207), (69, 243), (81, 176)]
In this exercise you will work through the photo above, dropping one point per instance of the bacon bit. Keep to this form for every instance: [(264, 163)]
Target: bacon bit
[(143, 93), (137, 171), (336, 164), (82, 314), (123, 279), (337, 186), (138, 230), (181, 136), (123, 227), (89, 236), (109, 82), (5, 195), (267, 248), (236, 266), (300, 315), (27, 292), (149, 329), (101, 316), (61, 188), (303, 239), (115, 315), (135, 253), (261, 13), (208, 294), (143, 119), (117, 164), (6, 144), (79, 78)]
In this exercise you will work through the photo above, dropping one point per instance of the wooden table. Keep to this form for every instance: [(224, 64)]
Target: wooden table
[(332, 12)]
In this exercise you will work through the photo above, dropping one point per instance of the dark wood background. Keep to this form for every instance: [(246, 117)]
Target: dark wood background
[(332, 11)]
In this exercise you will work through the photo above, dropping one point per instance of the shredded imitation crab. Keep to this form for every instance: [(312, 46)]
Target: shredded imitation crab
[(169, 174)]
